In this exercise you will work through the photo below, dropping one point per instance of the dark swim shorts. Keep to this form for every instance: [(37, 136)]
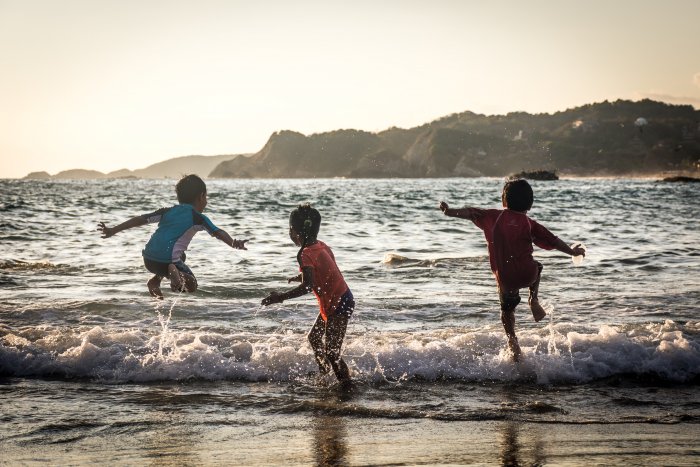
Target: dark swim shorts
[(346, 305), (510, 298), (161, 269)]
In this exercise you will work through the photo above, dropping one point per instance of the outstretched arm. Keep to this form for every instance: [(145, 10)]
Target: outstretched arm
[(577, 250), (302, 289), (463, 213), (232, 242), (543, 238), (110, 231)]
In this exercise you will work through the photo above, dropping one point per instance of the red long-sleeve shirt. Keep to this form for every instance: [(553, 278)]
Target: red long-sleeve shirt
[(510, 235), (328, 282)]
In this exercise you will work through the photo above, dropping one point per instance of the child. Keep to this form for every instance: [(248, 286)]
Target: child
[(164, 254), (320, 274), (510, 235)]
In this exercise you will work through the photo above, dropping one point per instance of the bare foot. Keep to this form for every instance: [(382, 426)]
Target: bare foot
[(537, 311), (515, 348), (177, 282), (154, 286)]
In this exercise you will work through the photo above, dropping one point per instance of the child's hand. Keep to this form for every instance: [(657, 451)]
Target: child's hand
[(106, 231), (274, 297), (578, 251), (239, 244), (444, 207), (296, 278)]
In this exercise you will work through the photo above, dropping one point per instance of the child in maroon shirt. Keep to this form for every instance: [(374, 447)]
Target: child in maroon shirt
[(510, 235)]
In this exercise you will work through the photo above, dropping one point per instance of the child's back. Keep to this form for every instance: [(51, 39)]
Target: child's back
[(510, 236), (176, 227)]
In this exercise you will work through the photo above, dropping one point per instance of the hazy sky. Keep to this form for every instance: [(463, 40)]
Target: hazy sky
[(110, 84)]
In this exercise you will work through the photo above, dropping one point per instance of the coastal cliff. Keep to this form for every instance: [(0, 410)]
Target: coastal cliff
[(609, 138)]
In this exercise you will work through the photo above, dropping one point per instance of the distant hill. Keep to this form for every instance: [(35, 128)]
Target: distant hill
[(78, 174), (175, 168), (608, 138), (170, 168), (38, 176)]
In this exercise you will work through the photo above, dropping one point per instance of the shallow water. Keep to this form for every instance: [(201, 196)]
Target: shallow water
[(89, 361)]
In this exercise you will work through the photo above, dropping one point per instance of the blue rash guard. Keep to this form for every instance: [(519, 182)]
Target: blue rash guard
[(176, 227)]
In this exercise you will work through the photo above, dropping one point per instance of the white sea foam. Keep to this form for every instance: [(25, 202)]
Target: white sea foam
[(557, 354)]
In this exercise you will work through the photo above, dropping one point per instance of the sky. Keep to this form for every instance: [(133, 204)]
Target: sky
[(112, 84)]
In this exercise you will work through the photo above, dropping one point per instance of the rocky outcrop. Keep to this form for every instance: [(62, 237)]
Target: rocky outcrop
[(545, 175)]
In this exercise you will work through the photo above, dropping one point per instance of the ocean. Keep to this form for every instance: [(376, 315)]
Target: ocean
[(94, 370)]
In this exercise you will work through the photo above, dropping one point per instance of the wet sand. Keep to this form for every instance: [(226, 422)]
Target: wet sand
[(332, 440), (74, 423)]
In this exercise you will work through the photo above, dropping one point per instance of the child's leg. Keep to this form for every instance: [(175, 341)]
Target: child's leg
[(181, 278), (190, 282), (316, 340), (537, 311), (159, 270), (509, 300), (335, 333), (508, 320), (177, 280), (154, 286)]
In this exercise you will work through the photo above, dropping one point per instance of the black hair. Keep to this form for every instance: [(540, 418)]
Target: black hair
[(189, 188), (517, 195), (306, 221)]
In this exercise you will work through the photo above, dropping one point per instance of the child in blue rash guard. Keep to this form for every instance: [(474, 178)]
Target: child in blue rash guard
[(164, 254)]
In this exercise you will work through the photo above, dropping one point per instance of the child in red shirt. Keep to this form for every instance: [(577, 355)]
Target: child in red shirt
[(510, 235), (320, 275)]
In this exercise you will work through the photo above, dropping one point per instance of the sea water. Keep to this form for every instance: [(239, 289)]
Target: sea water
[(90, 363)]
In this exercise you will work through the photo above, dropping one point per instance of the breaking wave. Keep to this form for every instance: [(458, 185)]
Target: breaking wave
[(556, 354)]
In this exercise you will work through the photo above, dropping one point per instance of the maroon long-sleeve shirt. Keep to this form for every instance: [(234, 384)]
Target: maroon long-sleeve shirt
[(510, 235)]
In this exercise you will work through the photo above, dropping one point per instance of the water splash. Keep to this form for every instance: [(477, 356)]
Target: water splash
[(571, 352), (258, 310), (164, 324), (552, 341)]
